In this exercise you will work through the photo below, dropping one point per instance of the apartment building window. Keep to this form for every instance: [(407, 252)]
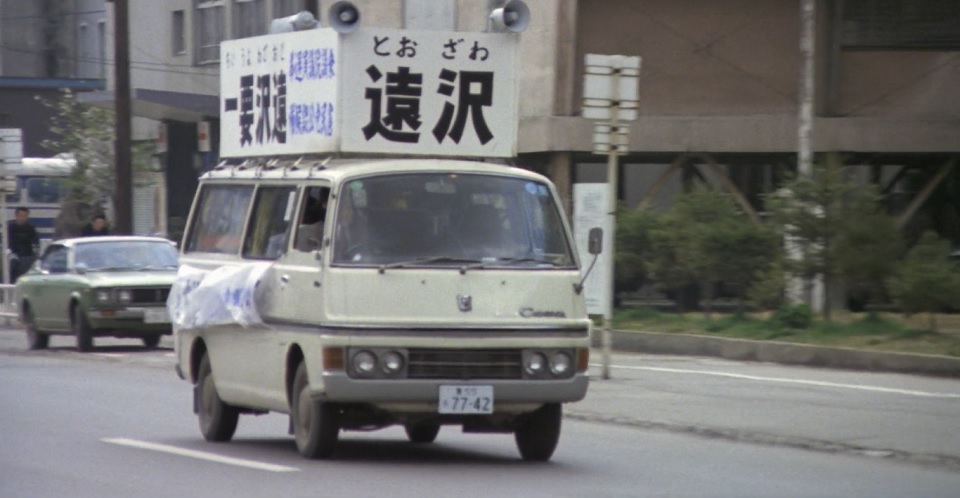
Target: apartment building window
[(249, 18), (284, 8), (178, 42), (209, 30)]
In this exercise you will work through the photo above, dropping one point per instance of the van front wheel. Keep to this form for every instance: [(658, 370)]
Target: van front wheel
[(538, 433), (218, 420), (316, 424)]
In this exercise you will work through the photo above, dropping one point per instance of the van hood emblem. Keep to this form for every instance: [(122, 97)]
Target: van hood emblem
[(464, 302)]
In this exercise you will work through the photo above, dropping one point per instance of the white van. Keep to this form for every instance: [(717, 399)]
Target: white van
[(359, 294)]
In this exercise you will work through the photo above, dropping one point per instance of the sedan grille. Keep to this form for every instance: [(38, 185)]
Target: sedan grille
[(465, 364), (150, 296)]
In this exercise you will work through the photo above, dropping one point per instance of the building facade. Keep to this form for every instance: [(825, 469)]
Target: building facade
[(719, 94)]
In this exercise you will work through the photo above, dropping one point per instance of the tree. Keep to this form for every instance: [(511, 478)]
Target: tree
[(633, 245), (707, 239), (927, 281), (809, 213), (87, 133), (868, 247)]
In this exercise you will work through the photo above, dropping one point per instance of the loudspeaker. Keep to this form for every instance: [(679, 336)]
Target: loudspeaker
[(513, 16), (297, 22), (344, 17)]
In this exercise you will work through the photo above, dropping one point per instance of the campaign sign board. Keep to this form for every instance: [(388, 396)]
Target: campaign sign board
[(278, 94), (429, 92), (590, 207), (373, 91)]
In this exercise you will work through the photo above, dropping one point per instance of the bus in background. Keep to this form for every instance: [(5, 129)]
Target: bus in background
[(39, 184)]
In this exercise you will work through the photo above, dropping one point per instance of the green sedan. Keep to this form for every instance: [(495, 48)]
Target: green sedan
[(99, 286)]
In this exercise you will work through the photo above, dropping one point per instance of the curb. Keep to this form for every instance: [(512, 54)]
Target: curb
[(781, 352)]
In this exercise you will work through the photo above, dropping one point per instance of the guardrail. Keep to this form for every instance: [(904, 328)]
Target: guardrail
[(9, 312)]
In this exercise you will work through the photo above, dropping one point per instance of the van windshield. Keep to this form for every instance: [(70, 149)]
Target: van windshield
[(443, 219)]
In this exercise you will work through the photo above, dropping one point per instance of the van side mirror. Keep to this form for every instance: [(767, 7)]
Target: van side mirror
[(595, 241)]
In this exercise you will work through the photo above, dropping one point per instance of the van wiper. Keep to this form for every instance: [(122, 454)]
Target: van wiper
[(512, 261), (467, 263)]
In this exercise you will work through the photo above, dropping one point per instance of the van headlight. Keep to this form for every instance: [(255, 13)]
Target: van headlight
[(364, 362), (392, 362), (534, 363), (560, 363), (103, 295)]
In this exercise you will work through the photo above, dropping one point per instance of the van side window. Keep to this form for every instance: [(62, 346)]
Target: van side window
[(270, 225), (222, 216), (313, 214)]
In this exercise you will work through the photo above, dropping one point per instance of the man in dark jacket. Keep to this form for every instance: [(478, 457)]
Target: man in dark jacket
[(23, 241), (97, 227)]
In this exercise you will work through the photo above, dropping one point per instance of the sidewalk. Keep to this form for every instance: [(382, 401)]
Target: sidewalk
[(780, 352)]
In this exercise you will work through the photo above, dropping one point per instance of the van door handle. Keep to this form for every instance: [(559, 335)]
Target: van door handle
[(285, 279)]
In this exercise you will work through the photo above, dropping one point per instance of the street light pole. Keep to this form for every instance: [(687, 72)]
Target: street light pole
[(123, 188)]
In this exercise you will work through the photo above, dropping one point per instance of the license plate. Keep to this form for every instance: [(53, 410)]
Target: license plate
[(466, 400), (156, 315)]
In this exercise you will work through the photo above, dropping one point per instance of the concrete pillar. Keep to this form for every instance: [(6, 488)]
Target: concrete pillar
[(560, 171)]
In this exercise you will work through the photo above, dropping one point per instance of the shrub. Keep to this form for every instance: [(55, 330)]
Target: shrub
[(798, 316)]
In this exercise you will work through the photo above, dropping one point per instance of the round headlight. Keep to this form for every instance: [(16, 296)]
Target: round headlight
[(392, 362), (124, 295), (535, 363), (364, 362), (103, 295), (560, 363)]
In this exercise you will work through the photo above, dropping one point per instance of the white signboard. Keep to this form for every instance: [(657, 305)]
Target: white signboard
[(11, 145), (610, 79), (590, 206), (278, 94), (430, 92), (376, 91)]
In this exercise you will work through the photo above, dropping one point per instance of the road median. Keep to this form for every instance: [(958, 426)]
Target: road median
[(781, 352)]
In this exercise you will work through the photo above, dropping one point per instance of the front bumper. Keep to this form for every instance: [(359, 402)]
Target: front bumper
[(340, 388), (132, 320)]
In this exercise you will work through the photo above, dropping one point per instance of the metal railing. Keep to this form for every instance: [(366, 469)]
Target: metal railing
[(9, 311)]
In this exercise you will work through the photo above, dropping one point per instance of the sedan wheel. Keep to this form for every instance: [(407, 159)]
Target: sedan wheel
[(82, 330), (151, 341), (35, 338)]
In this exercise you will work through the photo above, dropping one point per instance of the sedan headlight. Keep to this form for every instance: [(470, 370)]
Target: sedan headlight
[(103, 295), (124, 295)]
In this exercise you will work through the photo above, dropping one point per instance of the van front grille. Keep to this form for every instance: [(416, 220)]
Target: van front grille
[(465, 364)]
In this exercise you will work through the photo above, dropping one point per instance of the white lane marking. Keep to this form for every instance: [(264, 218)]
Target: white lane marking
[(200, 455), (859, 387)]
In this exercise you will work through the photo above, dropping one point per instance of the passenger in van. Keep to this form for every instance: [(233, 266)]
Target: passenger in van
[(276, 244), (310, 231)]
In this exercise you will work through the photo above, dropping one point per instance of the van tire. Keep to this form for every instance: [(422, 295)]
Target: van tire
[(538, 432), (423, 432), (35, 339), (82, 330), (218, 420), (316, 425)]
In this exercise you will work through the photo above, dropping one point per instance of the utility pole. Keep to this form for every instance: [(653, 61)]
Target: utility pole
[(805, 113), (123, 190)]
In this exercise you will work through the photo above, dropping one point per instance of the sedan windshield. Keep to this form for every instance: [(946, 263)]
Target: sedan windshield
[(442, 219), (126, 255)]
